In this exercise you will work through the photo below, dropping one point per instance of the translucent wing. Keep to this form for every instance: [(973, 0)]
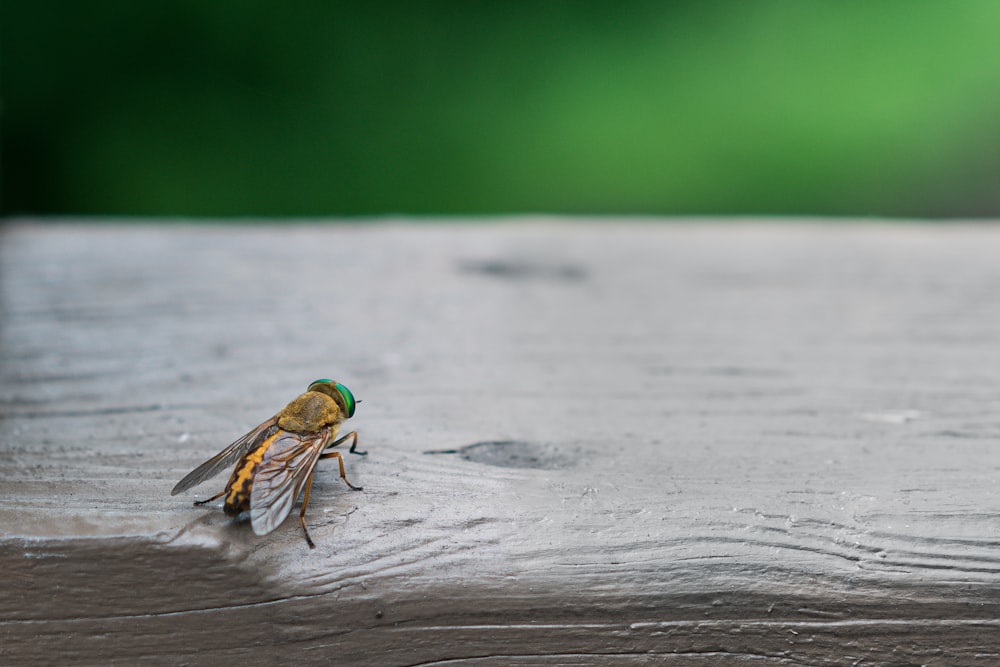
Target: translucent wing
[(281, 476), (226, 458)]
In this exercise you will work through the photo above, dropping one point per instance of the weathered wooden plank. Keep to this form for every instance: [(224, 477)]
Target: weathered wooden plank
[(609, 443)]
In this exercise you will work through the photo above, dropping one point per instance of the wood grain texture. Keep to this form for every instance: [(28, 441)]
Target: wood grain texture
[(607, 443)]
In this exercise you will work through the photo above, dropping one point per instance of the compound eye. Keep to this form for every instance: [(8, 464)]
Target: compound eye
[(348, 398)]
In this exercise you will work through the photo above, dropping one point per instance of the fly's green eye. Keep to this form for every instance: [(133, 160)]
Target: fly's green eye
[(348, 399), (312, 385)]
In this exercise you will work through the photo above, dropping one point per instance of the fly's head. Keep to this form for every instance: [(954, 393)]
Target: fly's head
[(338, 392)]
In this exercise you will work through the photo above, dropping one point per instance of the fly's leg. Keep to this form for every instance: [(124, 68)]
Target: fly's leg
[(340, 460), (302, 512), (309, 484), (215, 497), (352, 450)]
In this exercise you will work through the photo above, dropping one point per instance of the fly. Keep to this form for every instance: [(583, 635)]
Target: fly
[(276, 460)]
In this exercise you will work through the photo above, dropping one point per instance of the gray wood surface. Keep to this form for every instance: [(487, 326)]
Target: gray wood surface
[(603, 443)]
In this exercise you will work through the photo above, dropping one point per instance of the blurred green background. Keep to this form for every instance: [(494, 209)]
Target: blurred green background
[(192, 108)]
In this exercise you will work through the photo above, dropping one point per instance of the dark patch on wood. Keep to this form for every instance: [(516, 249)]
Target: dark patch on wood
[(523, 270), (511, 454)]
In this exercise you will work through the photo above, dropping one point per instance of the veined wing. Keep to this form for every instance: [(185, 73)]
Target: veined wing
[(226, 458), (281, 476)]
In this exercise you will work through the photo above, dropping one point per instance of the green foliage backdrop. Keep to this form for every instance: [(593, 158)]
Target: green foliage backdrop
[(335, 108)]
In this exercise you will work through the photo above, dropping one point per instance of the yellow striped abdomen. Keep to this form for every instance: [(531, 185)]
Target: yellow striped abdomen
[(241, 483)]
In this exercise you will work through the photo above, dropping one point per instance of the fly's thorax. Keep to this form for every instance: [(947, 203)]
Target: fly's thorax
[(310, 412)]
